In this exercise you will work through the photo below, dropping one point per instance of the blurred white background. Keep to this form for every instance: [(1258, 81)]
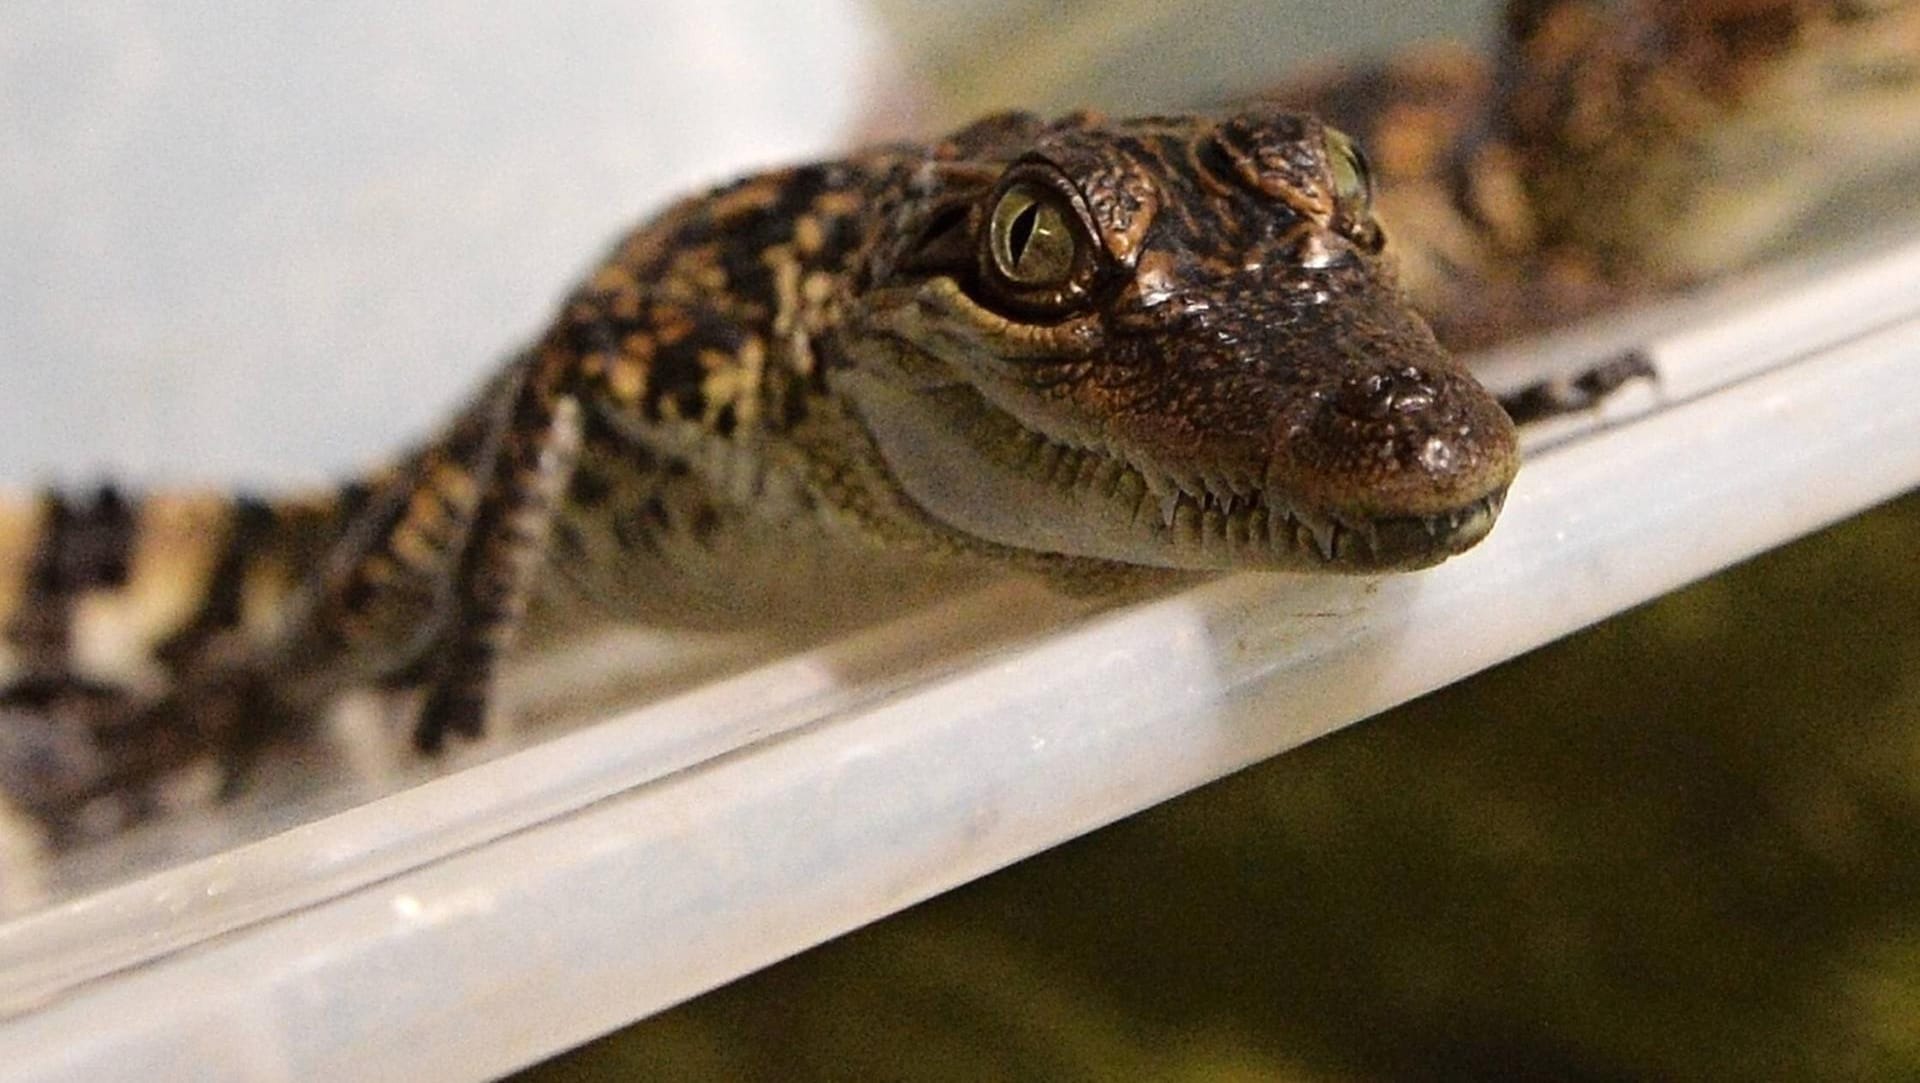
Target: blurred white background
[(266, 244)]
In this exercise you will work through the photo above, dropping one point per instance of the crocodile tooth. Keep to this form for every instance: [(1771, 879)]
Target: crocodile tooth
[(1189, 484), (1222, 493), (1324, 532), (1169, 505), (1158, 483), (1304, 539)]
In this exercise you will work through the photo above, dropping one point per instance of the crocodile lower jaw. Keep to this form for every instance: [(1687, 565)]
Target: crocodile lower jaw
[(979, 471)]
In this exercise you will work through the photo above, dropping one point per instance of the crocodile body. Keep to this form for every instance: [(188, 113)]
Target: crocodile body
[(1071, 349), (1612, 150)]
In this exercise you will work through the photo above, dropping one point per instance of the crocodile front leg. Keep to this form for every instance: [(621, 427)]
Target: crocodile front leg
[(496, 580)]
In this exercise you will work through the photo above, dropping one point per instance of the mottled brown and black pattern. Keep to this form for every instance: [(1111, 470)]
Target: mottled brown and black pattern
[(83, 546), (146, 589), (1068, 348), (1614, 150), (727, 426)]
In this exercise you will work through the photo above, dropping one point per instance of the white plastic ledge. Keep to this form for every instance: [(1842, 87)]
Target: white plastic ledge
[(487, 919)]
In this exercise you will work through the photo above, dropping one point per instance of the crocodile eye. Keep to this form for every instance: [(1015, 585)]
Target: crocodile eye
[(1352, 176), (1031, 238)]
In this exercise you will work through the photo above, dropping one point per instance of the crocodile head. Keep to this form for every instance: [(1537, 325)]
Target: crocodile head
[(1169, 341)]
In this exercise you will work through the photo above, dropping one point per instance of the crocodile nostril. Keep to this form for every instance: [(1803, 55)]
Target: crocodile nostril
[(1399, 441), (1376, 396)]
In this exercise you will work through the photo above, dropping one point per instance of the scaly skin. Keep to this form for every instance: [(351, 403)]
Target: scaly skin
[(1619, 149), (1070, 349), (1062, 349)]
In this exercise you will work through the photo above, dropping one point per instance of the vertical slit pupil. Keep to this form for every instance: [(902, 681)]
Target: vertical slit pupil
[(1020, 230)]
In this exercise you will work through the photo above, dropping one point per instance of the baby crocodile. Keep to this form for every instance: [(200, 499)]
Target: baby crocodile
[(1058, 348)]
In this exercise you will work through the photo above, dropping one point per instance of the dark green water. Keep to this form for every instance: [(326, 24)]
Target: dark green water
[(1684, 844)]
